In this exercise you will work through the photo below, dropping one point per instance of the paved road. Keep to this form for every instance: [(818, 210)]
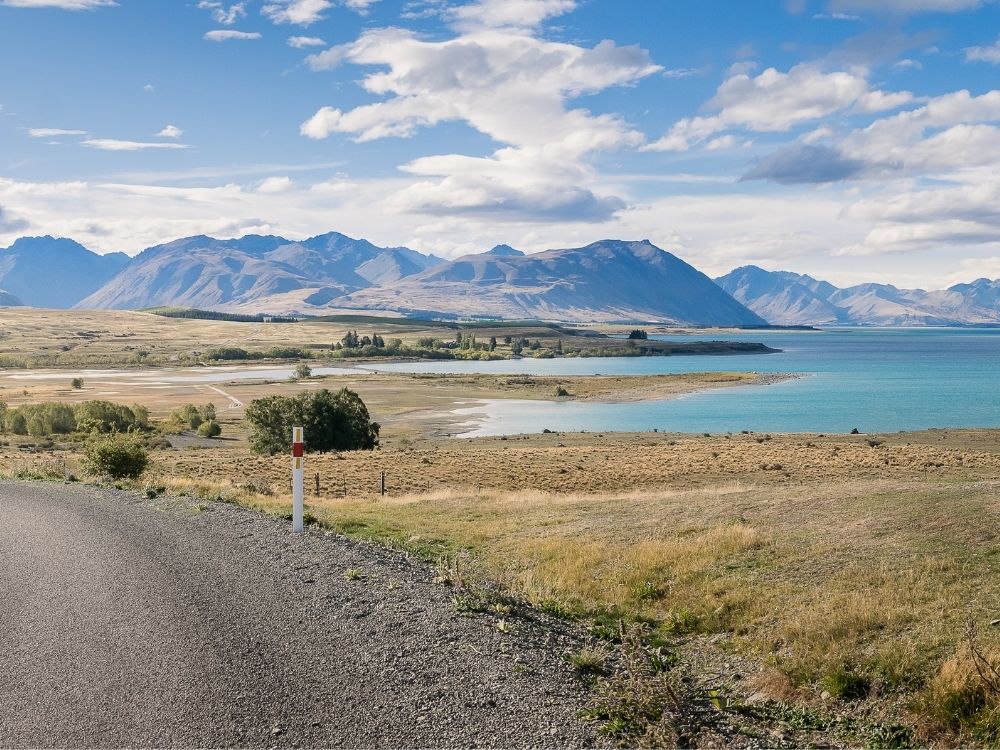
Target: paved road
[(130, 622)]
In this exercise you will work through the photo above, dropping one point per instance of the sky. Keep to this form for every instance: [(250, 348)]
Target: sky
[(854, 140)]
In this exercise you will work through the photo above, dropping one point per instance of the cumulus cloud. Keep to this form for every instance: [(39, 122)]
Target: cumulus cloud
[(296, 12), (507, 14), (53, 132), (11, 224), (804, 163), (112, 144), (273, 185), (226, 15), (360, 6), (776, 102), (990, 54), (948, 133), (170, 131), (302, 42), (507, 84), (225, 35), (64, 4)]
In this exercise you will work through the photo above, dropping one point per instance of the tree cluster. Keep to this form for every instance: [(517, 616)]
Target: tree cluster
[(51, 418), (332, 421)]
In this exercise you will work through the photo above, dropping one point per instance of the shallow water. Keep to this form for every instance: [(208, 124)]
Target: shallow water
[(878, 380)]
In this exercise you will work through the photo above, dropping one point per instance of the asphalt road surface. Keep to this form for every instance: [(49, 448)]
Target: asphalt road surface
[(127, 622)]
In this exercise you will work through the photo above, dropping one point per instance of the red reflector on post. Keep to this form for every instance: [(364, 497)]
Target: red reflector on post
[(298, 450)]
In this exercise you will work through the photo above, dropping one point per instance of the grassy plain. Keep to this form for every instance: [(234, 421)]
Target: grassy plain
[(821, 580), (825, 572), (101, 339)]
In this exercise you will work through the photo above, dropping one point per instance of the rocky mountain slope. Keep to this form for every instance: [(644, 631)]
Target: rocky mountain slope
[(786, 298), (611, 280), (254, 272), (54, 273)]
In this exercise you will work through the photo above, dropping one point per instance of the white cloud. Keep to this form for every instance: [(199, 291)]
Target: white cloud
[(226, 15), (301, 42), (776, 102), (328, 59), (721, 143), (508, 85), (360, 6), (273, 185), (111, 144), (989, 54), (10, 224), (53, 132), (508, 14), (170, 131), (149, 88), (223, 35), (297, 12), (64, 4), (836, 17)]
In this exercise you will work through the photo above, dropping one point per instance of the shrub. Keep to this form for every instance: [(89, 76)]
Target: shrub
[(189, 416), (227, 354), (104, 417), (561, 392), (76, 384), (638, 335), (302, 371), (42, 419), (116, 456), (210, 429), (332, 421)]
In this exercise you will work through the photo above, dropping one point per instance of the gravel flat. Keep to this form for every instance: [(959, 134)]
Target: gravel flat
[(128, 622)]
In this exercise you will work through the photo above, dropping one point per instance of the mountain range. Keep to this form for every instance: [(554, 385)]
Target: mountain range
[(786, 298), (609, 281)]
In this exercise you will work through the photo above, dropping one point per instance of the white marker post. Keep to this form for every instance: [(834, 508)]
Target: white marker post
[(298, 480)]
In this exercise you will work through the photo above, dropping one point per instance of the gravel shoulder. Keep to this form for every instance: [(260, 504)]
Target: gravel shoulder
[(135, 622)]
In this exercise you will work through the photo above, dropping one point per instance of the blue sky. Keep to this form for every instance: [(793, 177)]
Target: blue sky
[(851, 139)]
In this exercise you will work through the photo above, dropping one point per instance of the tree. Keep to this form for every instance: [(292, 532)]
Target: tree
[(493, 343), (638, 335), (333, 422), (302, 372), (76, 384)]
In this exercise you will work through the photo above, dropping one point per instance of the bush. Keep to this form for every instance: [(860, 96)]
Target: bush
[(210, 429), (39, 420), (189, 416), (638, 335), (332, 421), (302, 371), (105, 417), (76, 384), (116, 456)]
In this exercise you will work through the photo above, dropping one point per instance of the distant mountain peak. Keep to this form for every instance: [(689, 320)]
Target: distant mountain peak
[(504, 251)]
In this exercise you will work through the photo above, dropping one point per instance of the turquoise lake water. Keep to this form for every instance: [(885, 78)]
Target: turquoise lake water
[(878, 380)]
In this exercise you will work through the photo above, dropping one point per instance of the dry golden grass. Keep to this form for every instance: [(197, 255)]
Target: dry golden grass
[(850, 568)]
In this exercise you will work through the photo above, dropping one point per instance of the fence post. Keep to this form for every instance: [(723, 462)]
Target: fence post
[(298, 480), (382, 484)]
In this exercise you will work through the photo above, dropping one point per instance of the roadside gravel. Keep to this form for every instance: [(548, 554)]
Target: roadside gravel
[(165, 623)]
